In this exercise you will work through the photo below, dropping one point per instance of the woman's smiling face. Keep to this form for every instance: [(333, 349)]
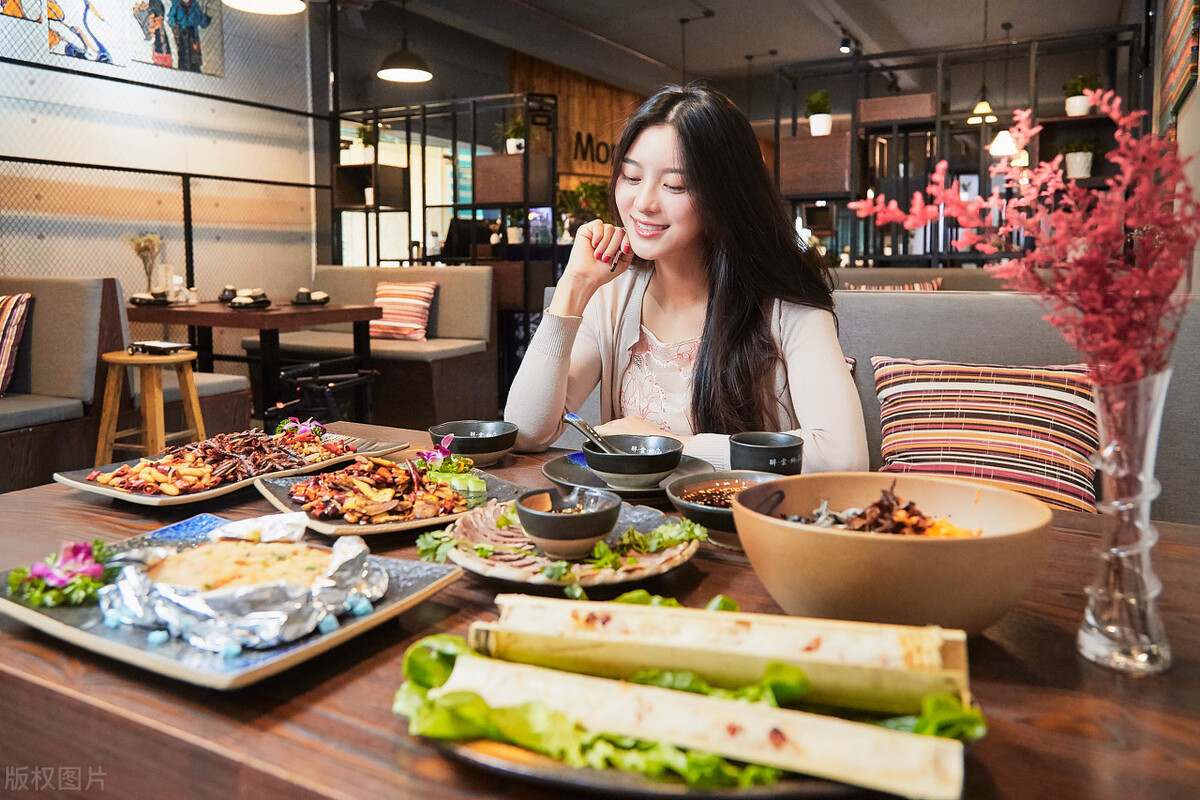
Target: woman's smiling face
[(655, 200)]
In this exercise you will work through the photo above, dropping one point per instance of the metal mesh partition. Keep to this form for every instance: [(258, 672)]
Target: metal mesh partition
[(102, 138)]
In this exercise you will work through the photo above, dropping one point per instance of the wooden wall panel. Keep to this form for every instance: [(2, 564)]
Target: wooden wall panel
[(586, 107), (814, 164), (901, 106)]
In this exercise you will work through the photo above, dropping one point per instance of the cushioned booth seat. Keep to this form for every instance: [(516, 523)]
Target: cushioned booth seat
[(25, 410), (452, 374), (1008, 328), (322, 345), (49, 417), (208, 384)]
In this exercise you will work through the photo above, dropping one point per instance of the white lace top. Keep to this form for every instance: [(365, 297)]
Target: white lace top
[(657, 387)]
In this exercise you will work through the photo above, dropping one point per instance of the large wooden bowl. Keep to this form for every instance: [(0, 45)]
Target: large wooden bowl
[(915, 580)]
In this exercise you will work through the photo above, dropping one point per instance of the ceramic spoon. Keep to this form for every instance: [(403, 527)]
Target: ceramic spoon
[(580, 424)]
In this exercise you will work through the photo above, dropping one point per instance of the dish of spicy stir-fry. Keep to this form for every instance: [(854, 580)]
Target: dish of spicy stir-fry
[(376, 490)]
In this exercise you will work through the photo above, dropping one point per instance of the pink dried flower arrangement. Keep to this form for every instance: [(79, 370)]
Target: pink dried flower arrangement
[(1106, 261)]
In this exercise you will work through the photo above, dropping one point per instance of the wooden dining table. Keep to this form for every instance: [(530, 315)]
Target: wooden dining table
[(203, 317), (1058, 726)]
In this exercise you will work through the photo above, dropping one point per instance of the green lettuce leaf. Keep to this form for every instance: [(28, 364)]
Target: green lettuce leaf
[(534, 726), (781, 684), (942, 715)]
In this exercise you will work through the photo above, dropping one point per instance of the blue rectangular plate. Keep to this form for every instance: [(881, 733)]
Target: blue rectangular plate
[(409, 582)]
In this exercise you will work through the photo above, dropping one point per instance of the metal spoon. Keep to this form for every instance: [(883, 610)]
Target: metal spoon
[(580, 424)]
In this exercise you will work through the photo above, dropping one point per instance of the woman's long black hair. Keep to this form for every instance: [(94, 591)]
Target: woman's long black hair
[(751, 254)]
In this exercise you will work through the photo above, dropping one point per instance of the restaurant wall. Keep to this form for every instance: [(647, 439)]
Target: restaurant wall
[(92, 153)]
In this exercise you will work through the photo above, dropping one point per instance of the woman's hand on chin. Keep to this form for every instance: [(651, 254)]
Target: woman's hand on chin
[(600, 254), (636, 426)]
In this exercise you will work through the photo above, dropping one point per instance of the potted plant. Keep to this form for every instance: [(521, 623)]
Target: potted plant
[(362, 151), (514, 225), (511, 134), (1077, 104), (1077, 157), (820, 121), (584, 203)]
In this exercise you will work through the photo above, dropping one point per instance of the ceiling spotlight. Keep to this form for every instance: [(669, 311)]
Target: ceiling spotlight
[(845, 47), (404, 66)]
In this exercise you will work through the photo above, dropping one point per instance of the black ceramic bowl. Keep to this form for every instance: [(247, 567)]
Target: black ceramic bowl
[(696, 497), (646, 460), (481, 441), (567, 524)]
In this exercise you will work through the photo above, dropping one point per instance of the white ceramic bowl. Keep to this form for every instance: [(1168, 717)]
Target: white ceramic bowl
[(965, 583)]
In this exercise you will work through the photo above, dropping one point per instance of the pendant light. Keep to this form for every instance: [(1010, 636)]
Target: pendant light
[(404, 66), (273, 7), (1003, 145), (982, 112)]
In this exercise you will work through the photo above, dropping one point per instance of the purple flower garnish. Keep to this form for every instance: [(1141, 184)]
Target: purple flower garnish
[(433, 458), (294, 425), (75, 559)]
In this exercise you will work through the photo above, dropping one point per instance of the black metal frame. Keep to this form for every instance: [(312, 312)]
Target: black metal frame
[(942, 60), (539, 111)]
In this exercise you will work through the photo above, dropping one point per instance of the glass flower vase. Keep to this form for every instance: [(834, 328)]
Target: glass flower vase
[(1121, 626), (148, 267)]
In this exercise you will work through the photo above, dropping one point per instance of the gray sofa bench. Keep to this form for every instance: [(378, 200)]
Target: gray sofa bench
[(50, 415), (981, 327), (454, 374), (1007, 328)]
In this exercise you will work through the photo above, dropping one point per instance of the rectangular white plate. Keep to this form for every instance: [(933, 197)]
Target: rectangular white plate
[(77, 479), (276, 490)]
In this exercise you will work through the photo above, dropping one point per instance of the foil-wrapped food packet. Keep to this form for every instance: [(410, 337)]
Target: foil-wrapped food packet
[(225, 620)]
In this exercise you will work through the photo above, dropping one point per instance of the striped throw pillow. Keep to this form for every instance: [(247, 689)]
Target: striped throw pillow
[(405, 310), (919, 286), (1026, 428), (13, 310)]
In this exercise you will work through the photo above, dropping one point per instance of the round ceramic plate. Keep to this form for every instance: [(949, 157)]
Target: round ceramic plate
[(512, 557), (571, 470), (517, 762)]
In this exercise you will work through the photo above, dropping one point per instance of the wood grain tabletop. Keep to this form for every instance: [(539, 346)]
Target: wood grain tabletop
[(1059, 727)]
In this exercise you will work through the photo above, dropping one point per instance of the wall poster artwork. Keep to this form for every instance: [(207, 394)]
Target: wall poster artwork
[(22, 9), (87, 29), (178, 34), (1181, 22)]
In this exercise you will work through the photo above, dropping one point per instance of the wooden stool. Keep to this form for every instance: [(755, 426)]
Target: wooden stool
[(150, 367)]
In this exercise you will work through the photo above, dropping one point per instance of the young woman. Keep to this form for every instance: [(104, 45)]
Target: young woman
[(700, 316)]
